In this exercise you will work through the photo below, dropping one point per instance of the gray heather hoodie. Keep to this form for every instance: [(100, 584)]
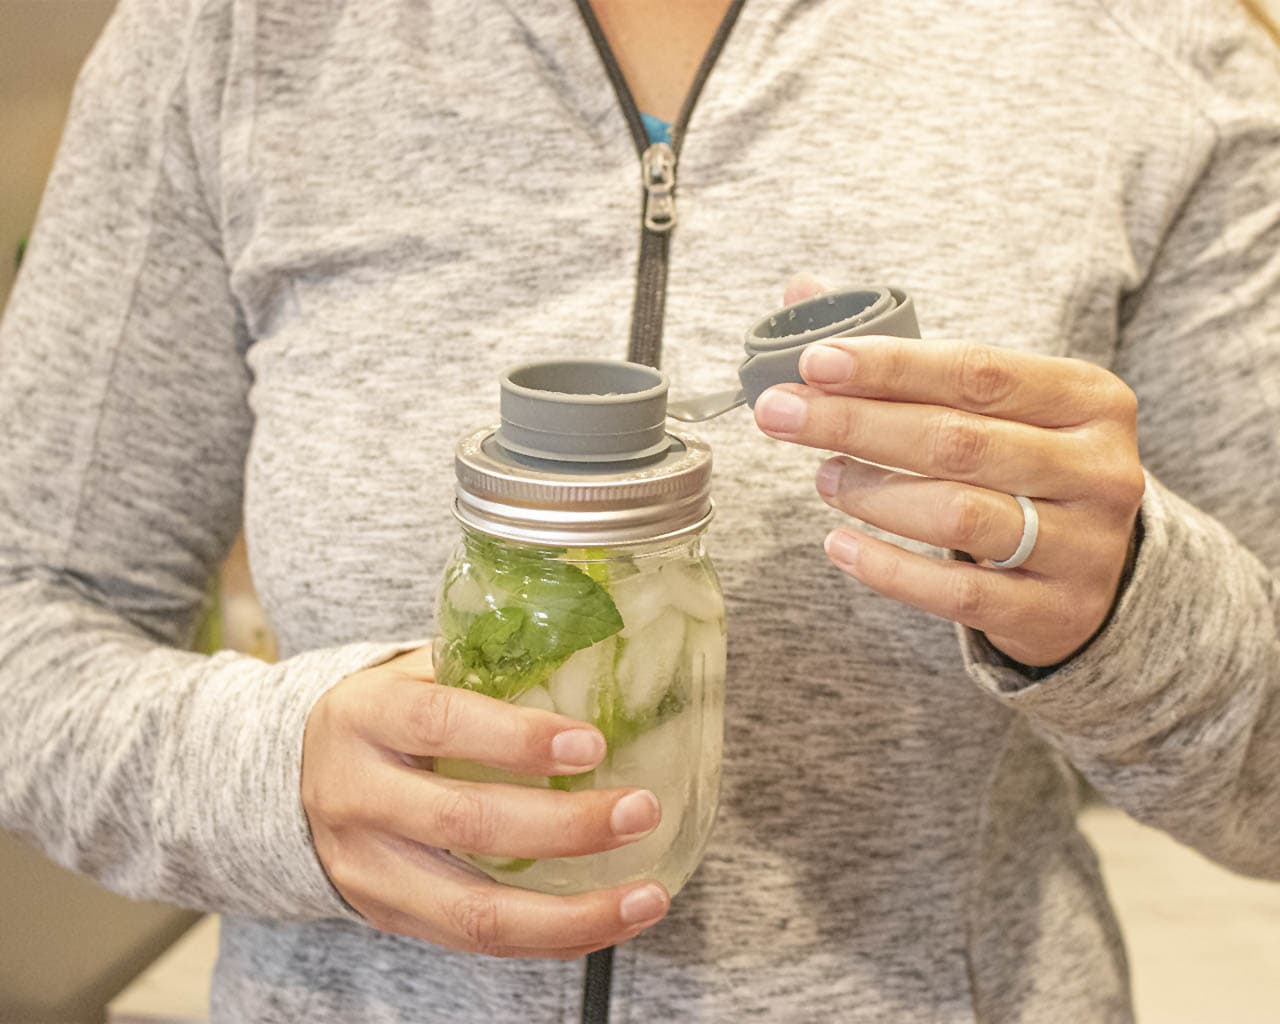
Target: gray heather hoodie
[(285, 252)]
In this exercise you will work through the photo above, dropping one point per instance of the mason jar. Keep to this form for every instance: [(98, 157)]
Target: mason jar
[(581, 585)]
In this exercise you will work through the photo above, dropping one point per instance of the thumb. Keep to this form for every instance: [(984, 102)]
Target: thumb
[(802, 286)]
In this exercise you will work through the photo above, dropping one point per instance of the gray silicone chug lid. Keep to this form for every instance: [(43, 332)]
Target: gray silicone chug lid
[(584, 410), (774, 342)]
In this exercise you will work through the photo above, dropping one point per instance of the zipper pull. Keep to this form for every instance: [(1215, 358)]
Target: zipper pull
[(658, 169)]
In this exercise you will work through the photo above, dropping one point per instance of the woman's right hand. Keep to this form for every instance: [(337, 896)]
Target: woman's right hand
[(383, 824)]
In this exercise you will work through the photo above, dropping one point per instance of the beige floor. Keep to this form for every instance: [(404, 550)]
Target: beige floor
[(1205, 944)]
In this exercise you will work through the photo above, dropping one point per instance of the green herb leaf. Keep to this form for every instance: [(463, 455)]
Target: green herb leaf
[(490, 634), (507, 864), (549, 610), (572, 783), (593, 561)]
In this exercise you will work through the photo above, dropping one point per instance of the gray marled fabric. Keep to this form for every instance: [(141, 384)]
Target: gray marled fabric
[(289, 245)]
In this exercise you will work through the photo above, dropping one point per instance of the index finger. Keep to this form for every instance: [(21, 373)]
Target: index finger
[(418, 717), (1045, 391)]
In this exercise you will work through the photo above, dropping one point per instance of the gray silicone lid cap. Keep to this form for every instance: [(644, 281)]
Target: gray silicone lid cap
[(775, 342), (584, 410)]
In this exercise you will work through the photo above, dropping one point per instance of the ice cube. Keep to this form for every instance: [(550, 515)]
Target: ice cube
[(640, 599), (657, 760), (536, 697), (649, 663), (693, 590), (465, 595), (573, 686)]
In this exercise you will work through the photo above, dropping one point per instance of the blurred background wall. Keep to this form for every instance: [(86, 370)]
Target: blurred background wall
[(66, 945), (42, 44)]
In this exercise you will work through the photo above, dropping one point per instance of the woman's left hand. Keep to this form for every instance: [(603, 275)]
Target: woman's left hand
[(979, 424)]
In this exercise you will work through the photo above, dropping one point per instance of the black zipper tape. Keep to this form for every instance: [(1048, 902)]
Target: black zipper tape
[(647, 313), (649, 306), (596, 986)]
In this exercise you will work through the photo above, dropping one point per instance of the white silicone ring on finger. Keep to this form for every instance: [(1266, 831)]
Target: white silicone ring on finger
[(1030, 530)]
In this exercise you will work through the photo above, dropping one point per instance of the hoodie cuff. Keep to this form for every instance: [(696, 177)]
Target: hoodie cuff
[(1171, 631), (255, 820)]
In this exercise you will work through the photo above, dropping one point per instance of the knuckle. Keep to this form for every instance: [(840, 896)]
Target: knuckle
[(1106, 395), (1130, 487), (846, 426), (326, 798), (958, 444), (475, 918), (434, 717), (967, 519), (336, 710), (968, 597), (1124, 401), (464, 821), (895, 369), (341, 874), (531, 736), (340, 713), (1120, 486), (883, 573), (588, 821), (984, 375), (315, 794), (340, 864)]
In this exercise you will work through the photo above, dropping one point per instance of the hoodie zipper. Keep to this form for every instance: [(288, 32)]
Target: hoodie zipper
[(658, 163), (658, 218)]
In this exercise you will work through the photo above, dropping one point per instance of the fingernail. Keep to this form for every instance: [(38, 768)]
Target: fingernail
[(642, 905), (577, 747), (780, 411), (829, 477), (841, 547), (825, 364), (635, 813)]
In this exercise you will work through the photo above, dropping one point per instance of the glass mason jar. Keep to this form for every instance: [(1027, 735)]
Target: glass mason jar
[(583, 587), (629, 639)]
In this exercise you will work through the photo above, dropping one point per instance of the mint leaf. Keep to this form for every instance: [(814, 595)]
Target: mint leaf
[(548, 609), (572, 783), (593, 561), (491, 632), (507, 864)]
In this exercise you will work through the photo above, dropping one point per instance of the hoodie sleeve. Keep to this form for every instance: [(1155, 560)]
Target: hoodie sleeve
[(124, 426), (1173, 711)]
